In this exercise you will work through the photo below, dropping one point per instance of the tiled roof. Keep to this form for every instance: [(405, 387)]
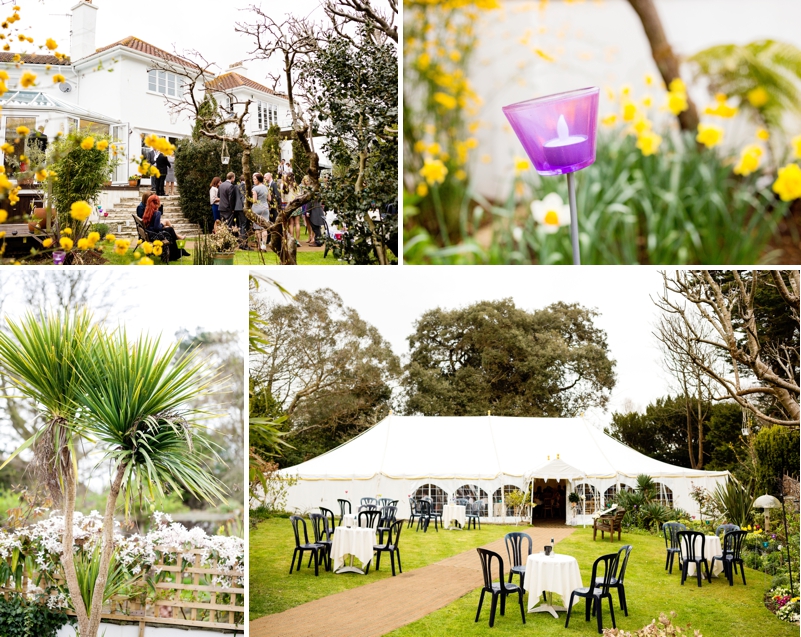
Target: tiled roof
[(231, 80), (136, 44), (34, 58)]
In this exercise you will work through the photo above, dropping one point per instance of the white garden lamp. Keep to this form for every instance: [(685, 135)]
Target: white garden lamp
[(768, 502)]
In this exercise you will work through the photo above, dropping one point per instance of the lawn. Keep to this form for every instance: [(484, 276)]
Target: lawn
[(273, 589), (716, 609)]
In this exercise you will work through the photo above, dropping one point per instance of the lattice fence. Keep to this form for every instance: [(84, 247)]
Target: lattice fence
[(179, 591)]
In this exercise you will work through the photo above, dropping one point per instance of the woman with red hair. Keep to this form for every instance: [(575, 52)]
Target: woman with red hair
[(154, 224)]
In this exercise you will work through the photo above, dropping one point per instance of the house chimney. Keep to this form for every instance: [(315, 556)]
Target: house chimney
[(238, 67), (84, 26)]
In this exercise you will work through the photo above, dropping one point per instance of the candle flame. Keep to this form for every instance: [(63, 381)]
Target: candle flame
[(561, 128)]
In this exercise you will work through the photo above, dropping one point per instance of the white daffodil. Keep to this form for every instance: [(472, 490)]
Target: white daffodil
[(551, 213)]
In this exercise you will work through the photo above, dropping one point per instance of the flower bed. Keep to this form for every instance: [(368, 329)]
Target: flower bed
[(171, 575), (781, 602)]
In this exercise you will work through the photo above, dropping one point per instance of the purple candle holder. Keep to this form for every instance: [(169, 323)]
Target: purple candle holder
[(58, 257), (558, 133)]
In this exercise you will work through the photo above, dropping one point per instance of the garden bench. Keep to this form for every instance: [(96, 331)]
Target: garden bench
[(609, 523)]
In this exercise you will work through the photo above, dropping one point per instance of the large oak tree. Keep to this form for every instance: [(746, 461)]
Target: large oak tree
[(494, 356)]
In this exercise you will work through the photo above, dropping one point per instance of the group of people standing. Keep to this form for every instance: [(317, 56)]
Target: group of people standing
[(166, 167), (269, 197)]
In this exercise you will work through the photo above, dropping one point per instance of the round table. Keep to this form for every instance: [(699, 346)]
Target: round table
[(712, 548), (454, 513), (555, 573), (353, 541)]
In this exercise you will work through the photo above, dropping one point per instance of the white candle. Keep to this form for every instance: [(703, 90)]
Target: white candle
[(564, 149)]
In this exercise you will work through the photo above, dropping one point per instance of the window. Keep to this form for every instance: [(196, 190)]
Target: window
[(165, 83), (589, 493), (10, 162), (664, 494), (611, 493), (499, 499), (267, 115), (93, 128), (437, 495)]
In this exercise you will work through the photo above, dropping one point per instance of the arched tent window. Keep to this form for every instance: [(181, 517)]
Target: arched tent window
[(472, 492), (611, 493), (664, 494), (437, 495), (498, 498), (589, 493)]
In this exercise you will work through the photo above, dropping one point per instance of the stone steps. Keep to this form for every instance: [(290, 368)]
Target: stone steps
[(120, 221)]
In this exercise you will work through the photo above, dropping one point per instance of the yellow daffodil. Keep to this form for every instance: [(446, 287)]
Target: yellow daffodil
[(434, 149), (642, 125), (749, 160), (433, 171), (83, 243), (460, 174), (67, 231), (708, 135), (155, 172), (110, 237), (757, 97), (51, 44), (647, 101), (551, 213), (80, 211), (419, 146), (47, 242), (137, 254), (41, 175), (88, 143), (157, 251), (788, 183), (3, 216), (795, 142), (609, 120), (448, 101), (629, 111), (4, 75), (121, 246), (65, 243), (28, 79), (145, 261), (23, 130), (422, 189), (763, 134), (93, 237), (7, 148), (649, 79), (677, 86), (147, 247), (521, 165), (677, 101), (721, 109), (102, 145), (648, 142)]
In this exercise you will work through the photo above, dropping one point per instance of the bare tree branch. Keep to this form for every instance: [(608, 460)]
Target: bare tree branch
[(361, 12)]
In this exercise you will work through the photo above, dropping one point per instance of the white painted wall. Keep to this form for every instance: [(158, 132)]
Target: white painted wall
[(599, 44), (132, 630)]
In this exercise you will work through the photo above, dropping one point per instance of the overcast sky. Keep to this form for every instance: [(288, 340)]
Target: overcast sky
[(202, 25), (393, 298)]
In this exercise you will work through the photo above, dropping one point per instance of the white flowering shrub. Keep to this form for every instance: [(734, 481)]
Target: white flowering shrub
[(35, 552)]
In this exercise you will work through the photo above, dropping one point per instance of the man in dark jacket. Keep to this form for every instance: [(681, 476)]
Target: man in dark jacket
[(275, 196), (228, 193), (162, 162)]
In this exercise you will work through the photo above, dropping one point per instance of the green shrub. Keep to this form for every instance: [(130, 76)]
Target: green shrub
[(20, 618), (735, 502), (197, 162), (776, 449), (101, 228)]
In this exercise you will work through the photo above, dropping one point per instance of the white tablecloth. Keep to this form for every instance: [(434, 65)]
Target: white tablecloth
[(451, 512), (354, 541), (711, 548), (558, 573), (348, 520)]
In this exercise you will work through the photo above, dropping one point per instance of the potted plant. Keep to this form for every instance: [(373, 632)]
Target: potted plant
[(133, 180), (223, 245)]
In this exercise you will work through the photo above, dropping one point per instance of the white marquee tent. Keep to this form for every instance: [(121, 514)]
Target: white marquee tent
[(482, 457)]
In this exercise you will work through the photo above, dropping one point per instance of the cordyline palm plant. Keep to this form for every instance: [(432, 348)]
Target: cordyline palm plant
[(131, 400)]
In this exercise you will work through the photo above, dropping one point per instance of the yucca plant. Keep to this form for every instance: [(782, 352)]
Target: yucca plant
[(735, 501), (87, 567), (132, 400)]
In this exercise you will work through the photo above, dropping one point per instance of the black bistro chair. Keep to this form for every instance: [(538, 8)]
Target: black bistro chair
[(473, 515), (500, 589), (436, 516), (692, 552), (732, 549), (594, 595), (385, 521), (328, 514), (390, 546), (725, 528), (463, 502), (344, 509), (517, 558), (369, 502), (368, 519), (617, 579), (414, 509), (318, 551), (323, 535), (384, 502), (669, 529), (424, 515)]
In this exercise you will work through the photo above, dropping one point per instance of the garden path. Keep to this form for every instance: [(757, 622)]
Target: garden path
[(378, 608)]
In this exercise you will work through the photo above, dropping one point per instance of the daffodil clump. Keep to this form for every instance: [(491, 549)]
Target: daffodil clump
[(440, 104)]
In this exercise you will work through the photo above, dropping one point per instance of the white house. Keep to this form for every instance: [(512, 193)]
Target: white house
[(114, 89)]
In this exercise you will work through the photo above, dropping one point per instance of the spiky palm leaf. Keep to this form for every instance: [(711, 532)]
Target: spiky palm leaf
[(135, 403), (736, 69)]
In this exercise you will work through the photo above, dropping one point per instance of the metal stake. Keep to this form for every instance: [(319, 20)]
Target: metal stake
[(574, 231)]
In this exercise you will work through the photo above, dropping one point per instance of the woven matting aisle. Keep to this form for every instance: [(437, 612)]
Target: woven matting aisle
[(378, 608)]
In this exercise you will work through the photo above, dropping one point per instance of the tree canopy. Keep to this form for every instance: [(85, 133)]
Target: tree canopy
[(494, 356)]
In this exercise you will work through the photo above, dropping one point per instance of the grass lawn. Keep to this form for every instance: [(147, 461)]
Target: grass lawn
[(716, 609), (272, 589)]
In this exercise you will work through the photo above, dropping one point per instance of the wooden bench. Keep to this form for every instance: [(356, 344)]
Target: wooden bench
[(19, 240), (609, 523)]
